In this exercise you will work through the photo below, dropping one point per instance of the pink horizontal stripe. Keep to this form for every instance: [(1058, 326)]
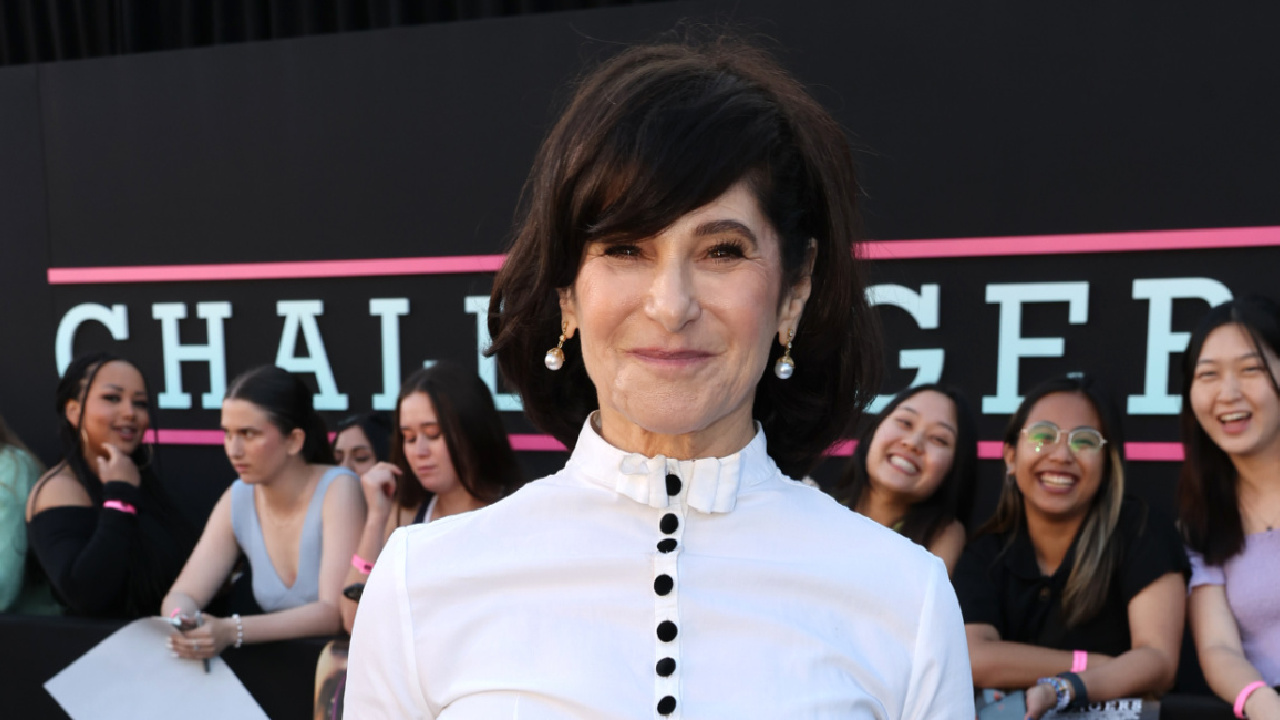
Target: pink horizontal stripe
[(278, 270), (1154, 451), (529, 442), (872, 250), (1065, 244), (535, 443)]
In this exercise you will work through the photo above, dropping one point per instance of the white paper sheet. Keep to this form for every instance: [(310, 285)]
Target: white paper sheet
[(132, 676)]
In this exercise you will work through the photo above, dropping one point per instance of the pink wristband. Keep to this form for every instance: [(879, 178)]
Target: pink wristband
[(175, 613), (365, 567), (1243, 697), (121, 506), (1079, 661)]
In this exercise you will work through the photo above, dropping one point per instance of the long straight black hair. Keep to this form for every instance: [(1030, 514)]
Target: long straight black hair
[(1208, 496), (953, 498)]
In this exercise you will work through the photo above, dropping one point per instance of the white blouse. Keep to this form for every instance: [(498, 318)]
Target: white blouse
[(628, 587)]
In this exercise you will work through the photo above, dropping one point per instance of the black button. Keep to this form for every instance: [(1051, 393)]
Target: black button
[(667, 631), (666, 546), (1044, 594), (673, 484), (669, 523), (666, 705), (663, 584), (666, 666)]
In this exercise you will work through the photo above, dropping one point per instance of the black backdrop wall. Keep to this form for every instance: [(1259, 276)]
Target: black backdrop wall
[(974, 120)]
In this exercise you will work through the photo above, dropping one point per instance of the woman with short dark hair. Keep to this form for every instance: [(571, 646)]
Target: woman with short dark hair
[(682, 288)]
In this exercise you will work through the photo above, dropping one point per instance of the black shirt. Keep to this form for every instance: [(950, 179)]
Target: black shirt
[(1003, 586), (106, 563)]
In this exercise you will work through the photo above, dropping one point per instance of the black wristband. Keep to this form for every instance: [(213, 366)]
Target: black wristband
[(1080, 697)]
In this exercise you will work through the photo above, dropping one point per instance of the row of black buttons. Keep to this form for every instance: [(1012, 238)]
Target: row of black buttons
[(662, 585)]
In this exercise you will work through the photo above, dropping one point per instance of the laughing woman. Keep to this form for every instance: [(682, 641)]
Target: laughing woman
[(685, 254), (913, 470), (1072, 591), (1229, 499)]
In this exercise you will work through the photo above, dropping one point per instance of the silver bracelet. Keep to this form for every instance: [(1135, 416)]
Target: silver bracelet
[(239, 630)]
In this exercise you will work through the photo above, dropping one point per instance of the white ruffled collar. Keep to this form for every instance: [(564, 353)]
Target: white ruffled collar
[(709, 485)]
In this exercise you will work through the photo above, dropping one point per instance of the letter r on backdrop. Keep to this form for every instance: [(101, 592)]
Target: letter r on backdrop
[(1162, 341)]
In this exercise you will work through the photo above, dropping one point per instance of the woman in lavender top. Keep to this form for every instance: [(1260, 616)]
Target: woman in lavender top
[(1229, 500)]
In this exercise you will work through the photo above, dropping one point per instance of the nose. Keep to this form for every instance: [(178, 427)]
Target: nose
[(672, 299), (1230, 387), (1060, 451), (422, 446), (913, 440), (234, 447)]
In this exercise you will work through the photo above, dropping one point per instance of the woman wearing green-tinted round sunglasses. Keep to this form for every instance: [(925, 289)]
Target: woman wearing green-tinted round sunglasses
[(1071, 591)]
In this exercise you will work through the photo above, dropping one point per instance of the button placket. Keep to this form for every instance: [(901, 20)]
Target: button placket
[(665, 591)]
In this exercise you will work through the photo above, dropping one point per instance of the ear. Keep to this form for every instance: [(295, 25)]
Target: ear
[(568, 312), (797, 295), (296, 440), (1010, 455), (72, 411)]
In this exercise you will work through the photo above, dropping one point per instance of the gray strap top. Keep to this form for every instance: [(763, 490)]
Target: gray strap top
[(268, 589)]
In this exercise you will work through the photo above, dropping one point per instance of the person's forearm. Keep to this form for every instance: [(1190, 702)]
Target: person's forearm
[(1142, 671), (182, 602), (370, 547), (1003, 664), (1228, 672), (314, 619)]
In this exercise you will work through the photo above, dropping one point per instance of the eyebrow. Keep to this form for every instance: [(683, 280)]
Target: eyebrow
[(944, 424), (723, 227), (1247, 356)]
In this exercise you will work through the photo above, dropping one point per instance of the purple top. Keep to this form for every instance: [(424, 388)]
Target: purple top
[(1251, 579)]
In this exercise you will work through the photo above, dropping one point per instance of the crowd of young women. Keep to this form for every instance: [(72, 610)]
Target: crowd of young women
[(1073, 591)]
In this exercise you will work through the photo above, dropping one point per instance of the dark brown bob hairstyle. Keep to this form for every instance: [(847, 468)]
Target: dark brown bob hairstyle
[(1208, 496), (649, 136)]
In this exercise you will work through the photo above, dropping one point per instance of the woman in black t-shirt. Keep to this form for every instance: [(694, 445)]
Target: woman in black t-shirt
[(1071, 590)]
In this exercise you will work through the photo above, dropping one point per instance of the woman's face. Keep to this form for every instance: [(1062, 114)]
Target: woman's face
[(116, 410), (912, 449), (424, 446), (1232, 395), (676, 329), (257, 449), (352, 450), (1057, 482)]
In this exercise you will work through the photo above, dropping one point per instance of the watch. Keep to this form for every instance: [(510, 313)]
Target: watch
[(353, 591), (1061, 688)]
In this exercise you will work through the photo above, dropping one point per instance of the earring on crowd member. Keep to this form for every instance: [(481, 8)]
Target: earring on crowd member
[(785, 366), (554, 359)]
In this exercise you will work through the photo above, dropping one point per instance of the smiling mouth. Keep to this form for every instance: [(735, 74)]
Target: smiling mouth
[(1057, 481), (127, 433), (903, 464)]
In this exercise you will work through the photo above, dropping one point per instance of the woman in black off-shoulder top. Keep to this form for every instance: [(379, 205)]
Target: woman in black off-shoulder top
[(105, 533)]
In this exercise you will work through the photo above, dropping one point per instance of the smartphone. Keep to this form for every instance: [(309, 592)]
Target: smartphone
[(1013, 706)]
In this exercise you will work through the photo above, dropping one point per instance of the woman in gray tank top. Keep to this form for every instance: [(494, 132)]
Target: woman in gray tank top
[(294, 515)]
